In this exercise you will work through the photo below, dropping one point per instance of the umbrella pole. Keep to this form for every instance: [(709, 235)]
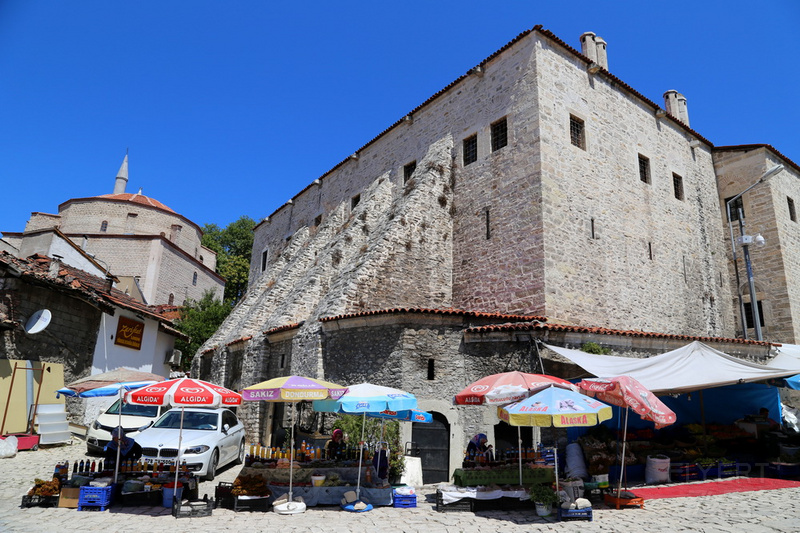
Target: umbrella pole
[(291, 455), (555, 457), (119, 424), (519, 451), (360, 455), (622, 461), (178, 459)]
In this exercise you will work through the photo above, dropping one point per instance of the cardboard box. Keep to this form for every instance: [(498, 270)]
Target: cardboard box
[(69, 497)]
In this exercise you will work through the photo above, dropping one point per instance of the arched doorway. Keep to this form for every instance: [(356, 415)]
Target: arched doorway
[(432, 445)]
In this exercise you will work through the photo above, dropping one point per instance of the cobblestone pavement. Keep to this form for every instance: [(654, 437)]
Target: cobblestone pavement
[(751, 512)]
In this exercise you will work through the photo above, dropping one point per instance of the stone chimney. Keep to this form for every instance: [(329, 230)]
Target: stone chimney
[(602, 57), (122, 177), (589, 46), (675, 103), (594, 48)]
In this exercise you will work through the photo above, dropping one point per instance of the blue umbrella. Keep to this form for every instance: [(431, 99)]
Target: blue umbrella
[(364, 399)]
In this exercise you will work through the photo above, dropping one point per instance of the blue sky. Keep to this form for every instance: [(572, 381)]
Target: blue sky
[(231, 108)]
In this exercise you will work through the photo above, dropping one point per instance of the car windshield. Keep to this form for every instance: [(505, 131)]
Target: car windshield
[(191, 420), (128, 409)]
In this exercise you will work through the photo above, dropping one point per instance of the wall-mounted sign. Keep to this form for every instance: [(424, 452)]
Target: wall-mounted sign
[(129, 333)]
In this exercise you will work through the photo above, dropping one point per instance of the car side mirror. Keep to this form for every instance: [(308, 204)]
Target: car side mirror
[(225, 428)]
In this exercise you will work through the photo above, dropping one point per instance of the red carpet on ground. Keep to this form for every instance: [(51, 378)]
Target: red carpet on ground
[(712, 488)]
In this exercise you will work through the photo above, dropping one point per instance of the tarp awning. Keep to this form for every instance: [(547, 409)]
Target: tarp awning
[(692, 367)]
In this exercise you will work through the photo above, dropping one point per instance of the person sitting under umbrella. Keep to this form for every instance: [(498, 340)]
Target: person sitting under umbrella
[(477, 447), (335, 447), (129, 449)]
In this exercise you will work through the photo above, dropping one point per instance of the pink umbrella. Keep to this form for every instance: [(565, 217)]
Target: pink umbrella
[(183, 392), (627, 392), (508, 387)]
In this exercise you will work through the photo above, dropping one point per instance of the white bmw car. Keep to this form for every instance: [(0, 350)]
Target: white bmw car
[(212, 438)]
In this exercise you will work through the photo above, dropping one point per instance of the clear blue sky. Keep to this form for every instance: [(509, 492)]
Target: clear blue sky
[(229, 108)]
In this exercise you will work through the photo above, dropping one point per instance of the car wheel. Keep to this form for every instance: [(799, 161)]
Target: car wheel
[(211, 473), (240, 458)]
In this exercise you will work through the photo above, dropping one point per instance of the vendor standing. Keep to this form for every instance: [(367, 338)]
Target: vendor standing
[(129, 449), (335, 447)]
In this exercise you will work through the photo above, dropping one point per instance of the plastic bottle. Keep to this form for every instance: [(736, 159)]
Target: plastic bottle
[(80, 468), (100, 466), (75, 468), (91, 468)]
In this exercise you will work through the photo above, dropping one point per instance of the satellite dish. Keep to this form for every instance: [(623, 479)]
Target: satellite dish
[(38, 321)]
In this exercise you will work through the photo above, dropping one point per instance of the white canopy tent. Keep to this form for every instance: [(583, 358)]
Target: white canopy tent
[(692, 367), (788, 357)]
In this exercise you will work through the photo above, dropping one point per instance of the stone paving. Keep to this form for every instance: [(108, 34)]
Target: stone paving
[(751, 512)]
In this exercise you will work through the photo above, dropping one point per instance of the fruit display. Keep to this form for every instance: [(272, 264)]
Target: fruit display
[(45, 488), (250, 485)]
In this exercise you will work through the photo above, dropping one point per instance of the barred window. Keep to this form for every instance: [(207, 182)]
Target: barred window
[(104, 226), (470, 149), (644, 169), (499, 134), (677, 185), (577, 134), (735, 207)]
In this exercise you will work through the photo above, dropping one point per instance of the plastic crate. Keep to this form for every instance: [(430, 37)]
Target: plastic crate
[(39, 501), (95, 497), (403, 500), (251, 503), (193, 509), (464, 504), (684, 472), (149, 497), (784, 470), (223, 495), (575, 514)]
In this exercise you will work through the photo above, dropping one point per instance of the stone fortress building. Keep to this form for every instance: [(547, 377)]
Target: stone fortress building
[(538, 196), (155, 253)]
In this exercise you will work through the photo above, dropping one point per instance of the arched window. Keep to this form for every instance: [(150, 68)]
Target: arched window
[(104, 226), (194, 278), (171, 299)]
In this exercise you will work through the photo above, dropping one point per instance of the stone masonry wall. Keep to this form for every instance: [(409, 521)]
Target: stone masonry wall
[(655, 262), (68, 340), (776, 265)]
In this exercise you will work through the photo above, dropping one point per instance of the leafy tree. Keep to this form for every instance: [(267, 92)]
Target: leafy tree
[(373, 434), (199, 320), (234, 245)]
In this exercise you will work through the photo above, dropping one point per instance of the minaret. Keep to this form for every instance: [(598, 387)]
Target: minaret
[(122, 177)]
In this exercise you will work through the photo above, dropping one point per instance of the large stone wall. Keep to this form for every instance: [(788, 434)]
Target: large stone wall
[(776, 265), (655, 262)]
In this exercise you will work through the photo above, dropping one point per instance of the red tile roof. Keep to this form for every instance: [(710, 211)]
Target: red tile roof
[(534, 326), (136, 199), (81, 284), (448, 312)]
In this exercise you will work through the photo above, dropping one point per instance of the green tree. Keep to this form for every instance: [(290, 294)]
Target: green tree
[(199, 320), (374, 432), (234, 245)]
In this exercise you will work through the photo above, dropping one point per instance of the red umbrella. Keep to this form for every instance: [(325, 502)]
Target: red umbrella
[(627, 392), (508, 387), (183, 392)]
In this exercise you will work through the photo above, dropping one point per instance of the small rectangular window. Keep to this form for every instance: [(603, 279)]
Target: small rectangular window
[(499, 134), (317, 221), (792, 213), (735, 208), (488, 226), (354, 201), (644, 169), (470, 149), (264, 256), (408, 171), (677, 185), (577, 135), (748, 314)]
